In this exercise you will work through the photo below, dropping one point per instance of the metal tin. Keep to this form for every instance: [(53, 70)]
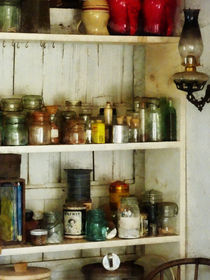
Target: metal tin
[(74, 217), (120, 134)]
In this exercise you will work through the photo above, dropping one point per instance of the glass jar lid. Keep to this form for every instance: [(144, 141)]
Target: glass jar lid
[(15, 118), (32, 102), (38, 232), (152, 196), (11, 104), (167, 209)]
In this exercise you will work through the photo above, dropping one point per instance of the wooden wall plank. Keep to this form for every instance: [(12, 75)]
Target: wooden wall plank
[(28, 68), (6, 69), (103, 167), (122, 165)]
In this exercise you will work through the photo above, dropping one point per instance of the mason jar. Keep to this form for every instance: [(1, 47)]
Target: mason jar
[(15, 130), (129, 218), (53, 224), (10, 15), (96, 226), (167, 212), (39, 128)]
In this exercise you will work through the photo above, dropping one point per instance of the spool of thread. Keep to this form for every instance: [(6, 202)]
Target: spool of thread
[(78, 184)]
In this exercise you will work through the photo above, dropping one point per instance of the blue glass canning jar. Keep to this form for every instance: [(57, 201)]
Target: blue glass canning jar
[(96, 226)]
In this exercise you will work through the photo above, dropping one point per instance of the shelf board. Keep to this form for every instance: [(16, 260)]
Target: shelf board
[(27, 37), (88, 147), (73, 244)]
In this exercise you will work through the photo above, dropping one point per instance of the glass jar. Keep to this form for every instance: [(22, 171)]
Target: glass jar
[(167, 212), (150, 201), (39, 129), (74, 132), (129, 218), (86, 117), (54, 127), (143, 122), (75, 106), (11, 104), (53, 224), (38, 237), (15, 130), (154, 123), (135, 128), (96, 228), (10, 15)]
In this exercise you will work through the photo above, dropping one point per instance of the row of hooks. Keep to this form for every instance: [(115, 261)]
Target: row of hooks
[(17, 44)]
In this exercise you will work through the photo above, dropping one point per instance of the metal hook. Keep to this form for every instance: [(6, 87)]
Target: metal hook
[(17, 45), (53, 45), (43, 45), (26, 45), (13, 44), (3, 44)]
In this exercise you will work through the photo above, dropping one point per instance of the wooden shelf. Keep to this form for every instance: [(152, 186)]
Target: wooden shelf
[(88, 147), (72, 244), (68, 38)]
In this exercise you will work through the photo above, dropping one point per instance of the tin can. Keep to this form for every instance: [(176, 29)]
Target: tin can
[(120, 134), (74, 218), (98, 132)]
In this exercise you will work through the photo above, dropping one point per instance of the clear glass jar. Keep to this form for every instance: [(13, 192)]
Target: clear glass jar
[(39, 128), (150, 201), (11, 105), (54, 127), (75, 106), (10, 15), (74, 132), (96, 228), (143, 122), (154, 123), (167, 212), (53, 224), (129, 218), (135, 128), (15, 130)]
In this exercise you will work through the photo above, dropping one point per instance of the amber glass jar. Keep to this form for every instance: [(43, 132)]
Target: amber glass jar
[(39, 128), (54, 126), (74, 132), (117, 190)]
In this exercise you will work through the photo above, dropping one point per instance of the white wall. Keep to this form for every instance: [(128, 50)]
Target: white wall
[(198, 155)]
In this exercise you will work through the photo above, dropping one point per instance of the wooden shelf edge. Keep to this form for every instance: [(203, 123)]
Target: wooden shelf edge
[(89, 147), (69, 245), (24, 37)]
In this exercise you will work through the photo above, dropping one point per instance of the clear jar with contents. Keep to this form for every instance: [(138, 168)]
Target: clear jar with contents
[(39, 129), (167, 212), (53, 224), (150, 201), (86, 117), (10, 15), (135, 128), (15, 130), (143, 122), (11, 105), (129, 218), (74, 132)]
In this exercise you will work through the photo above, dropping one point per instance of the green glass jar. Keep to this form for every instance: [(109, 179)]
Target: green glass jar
[(15, 130), (10, 15), (95, 229)]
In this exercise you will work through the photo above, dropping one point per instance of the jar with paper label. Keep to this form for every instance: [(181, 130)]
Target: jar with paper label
[(129, 218)]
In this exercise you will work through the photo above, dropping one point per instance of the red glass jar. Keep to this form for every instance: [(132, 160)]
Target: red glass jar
[(159, 17), (39, 129), (124, 15)]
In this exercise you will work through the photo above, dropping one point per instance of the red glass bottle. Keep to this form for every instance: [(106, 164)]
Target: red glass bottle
[(159, 17), (124, 16)]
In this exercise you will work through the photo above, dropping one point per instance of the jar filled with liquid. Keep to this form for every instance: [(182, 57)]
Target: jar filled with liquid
[(10, 15)]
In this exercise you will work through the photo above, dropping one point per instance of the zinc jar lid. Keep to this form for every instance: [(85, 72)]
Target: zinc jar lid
[(38, 232)]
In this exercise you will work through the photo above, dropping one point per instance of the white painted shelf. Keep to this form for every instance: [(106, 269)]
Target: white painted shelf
[(71, 244), (68, 38), (89, 147)]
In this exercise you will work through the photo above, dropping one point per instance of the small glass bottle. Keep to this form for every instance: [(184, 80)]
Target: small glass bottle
[(15, 130), (10, 15), (108, 117), (53, 224), (142, 123), (129, 218), (96, 226), (135, 128), (54, 129), (154, 123), (170, 122), (39, 129)]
